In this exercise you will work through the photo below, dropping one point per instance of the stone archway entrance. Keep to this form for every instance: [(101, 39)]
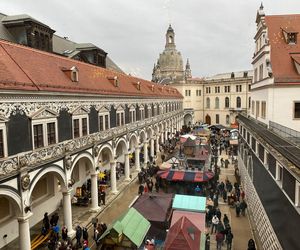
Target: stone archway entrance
[(188, 119), (208, 120)]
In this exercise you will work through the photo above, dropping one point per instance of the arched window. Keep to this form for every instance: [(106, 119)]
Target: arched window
[(226, 102), (238, 102), (227, 119), (207, 102), (217, 103)]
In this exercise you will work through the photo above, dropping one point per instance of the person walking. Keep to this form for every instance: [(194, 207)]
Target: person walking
[(219, 240), (225, 220), (215, 222), (78, 236), (46, 222), (229, 238), (237, 208), (85, 234), (243, 207), (64, 233)]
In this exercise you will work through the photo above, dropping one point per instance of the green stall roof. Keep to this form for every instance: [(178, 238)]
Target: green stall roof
[(132, 224), (189, 203)]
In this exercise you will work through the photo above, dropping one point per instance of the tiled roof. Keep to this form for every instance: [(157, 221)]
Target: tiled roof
[(282, 64), (24, 68)]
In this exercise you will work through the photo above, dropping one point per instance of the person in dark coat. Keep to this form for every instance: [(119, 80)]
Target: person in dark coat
[(237, 208), (141, 189), (46, 222), (229, 238), (225, 220), (85, 234), (251, 245), (102, 196), (78, 236), (64, 233)]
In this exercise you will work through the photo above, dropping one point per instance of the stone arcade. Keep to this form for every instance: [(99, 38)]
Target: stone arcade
[(61, 122)]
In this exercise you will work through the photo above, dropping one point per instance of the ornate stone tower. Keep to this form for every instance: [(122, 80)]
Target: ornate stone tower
[(169, 66), (188, 71)]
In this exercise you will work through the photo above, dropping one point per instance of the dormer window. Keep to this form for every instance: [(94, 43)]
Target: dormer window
[(292, 38), (290, 35), (138, 85), (74, 74), (152, 87), (114, 80)]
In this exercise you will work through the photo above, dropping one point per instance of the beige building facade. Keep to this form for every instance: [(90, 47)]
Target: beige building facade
[(212, 100)]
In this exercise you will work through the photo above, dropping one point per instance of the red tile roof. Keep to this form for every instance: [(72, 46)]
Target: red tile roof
[(282, 63), (179, 238), (24, 68)]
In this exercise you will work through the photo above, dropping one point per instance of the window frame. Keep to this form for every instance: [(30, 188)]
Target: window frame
[(120, 115), (294, 110), (132, 114), (4, 136), (80, 117), (227, 106), (103, 113), (44, 122)]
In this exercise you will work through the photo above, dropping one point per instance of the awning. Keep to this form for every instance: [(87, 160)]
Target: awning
[(188, 176), (178, 176)]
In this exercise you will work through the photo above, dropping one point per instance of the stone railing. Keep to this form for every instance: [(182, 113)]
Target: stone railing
[(13, 164)]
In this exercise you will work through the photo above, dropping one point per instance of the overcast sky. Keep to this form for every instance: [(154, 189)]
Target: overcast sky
[(216, 35)]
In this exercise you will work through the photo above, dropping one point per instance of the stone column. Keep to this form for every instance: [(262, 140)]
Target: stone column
[(68, 211), (162, 137), (157, 144), (24, 232), (152, 147), (166, 134), (94, 192), (127, 167), (113, 177), (145, 153), (137, 159)]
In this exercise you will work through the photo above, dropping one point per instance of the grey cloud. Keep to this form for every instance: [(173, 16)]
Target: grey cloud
[(216, 35)]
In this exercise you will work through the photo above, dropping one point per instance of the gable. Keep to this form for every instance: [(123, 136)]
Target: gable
[(80, 111), (44, 114)]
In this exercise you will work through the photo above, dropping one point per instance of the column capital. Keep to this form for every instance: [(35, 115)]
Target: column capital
[(114, 161), (67, 191), (23, 218)]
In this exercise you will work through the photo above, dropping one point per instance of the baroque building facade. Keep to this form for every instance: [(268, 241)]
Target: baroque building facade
[(269, 137), (212, 100), (62, 121)]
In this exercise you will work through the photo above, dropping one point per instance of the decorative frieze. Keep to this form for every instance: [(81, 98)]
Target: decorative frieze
[(13, 164)]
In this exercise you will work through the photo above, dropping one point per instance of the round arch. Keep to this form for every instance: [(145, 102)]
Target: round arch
[(143, 136), (80, 156), (55, 169), (188, 119), (11, 196), (109, 148), (121, 142), (149, 132)]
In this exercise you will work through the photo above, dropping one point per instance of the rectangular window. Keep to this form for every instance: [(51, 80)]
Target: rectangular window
[(118, 119), (297, 110), (101, 123), (297, 194), (51, 133), (227, 89), (1, 144), (217, 119), (238, 88), (207, 90), (76, 128), (217, 89), (261, 72), (84, 126), (253, 107), (187, 92), (123, 119), (255, 75), (257, 109), (38, 136), (106, 122), (279, 171), (263, 109)]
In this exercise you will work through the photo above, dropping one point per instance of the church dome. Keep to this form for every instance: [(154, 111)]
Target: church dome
[(169, 66)]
